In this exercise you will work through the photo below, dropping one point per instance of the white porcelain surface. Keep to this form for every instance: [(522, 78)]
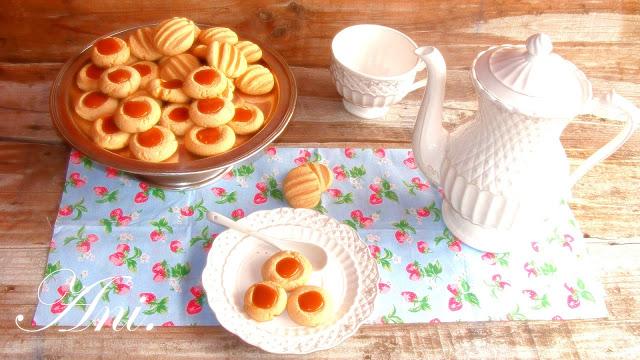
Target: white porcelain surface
[(234, 263), (501, 173), (373, 66)]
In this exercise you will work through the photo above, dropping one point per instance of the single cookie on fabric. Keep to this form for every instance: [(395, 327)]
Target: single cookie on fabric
[(137, 114), (301, 187), (226, 58), (175, 117), (154, 145), (107, 135), (93, 105), (220, 34), (264, 301), (310, 306), (247, 119), (87, 78), (204, 82), (142, 44), (110, 51), (289, 269), (148, 71), (174, 36), (257, 80), (170, 91), (251, 51), (178, 66), (211, 112), (209, 141), (119, 81), (323, 173)]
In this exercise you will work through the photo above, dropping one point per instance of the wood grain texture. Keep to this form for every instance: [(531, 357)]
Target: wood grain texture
[(602, 37)]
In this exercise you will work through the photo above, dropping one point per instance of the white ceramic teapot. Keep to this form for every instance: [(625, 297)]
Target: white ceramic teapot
[(503, 173)]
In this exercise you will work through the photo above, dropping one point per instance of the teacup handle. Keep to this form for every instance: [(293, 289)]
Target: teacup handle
[(420, 83), (604, 107)]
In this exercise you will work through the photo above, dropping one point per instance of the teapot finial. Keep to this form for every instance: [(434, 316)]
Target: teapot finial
[(539, 44)]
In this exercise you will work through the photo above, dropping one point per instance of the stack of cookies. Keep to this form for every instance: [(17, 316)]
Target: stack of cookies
[(171, 82)]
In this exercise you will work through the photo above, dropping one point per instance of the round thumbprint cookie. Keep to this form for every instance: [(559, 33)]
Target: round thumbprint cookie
[(110, 51), (289, 269), (264, 301), (211, 112), (107, 135), (310, 306), (94, 104), (209, 141), (175, 117), (137, 114), (119, 81), (247, 119), (154, 145)]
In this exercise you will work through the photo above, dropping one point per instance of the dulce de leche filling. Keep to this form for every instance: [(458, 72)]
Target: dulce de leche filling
[(205, 76), (151, 137), (108, 46), (179, 114), (287, 267), (310, 301), (264, 296), (242, 115), (210, 106), (109, 125), (94, 72), (119, 76), (208, 135), (142, 69), (136, 109), (94, 99)]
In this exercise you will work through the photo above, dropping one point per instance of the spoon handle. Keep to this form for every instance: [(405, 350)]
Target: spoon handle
[(228, 223)]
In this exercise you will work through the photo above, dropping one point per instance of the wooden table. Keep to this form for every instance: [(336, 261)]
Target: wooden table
[(600, 37)]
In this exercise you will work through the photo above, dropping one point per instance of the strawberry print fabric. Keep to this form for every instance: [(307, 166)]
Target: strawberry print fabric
[(155, 242)]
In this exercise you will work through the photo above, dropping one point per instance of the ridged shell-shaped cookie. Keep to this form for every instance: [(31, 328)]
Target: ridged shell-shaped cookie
[(301, 188), (220, 34), (178, 66), (257, 80), (226, 58), (175, 36), (251, 51), (142, 44)]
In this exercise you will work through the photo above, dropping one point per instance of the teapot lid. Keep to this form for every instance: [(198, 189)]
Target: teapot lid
[(532, 79)]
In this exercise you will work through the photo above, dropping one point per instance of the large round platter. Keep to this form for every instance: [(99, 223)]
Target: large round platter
[(182, 170), (351, 278)]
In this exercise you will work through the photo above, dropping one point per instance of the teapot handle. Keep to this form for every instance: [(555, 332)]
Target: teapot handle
[(610, 106)]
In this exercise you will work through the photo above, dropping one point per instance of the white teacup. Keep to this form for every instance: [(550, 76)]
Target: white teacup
[(373, 67)]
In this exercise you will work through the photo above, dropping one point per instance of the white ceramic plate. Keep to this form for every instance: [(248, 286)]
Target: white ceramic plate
[(234, 263)]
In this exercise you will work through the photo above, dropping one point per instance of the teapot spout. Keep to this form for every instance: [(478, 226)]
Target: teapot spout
[(429, 136)]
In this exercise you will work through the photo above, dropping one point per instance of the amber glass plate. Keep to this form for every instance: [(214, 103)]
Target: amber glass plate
[(182, 170)]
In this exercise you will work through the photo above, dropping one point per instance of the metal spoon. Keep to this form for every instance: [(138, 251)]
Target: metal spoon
[(317, 255)]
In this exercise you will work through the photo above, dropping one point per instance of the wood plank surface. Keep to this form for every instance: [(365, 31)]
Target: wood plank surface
[(602, 37)]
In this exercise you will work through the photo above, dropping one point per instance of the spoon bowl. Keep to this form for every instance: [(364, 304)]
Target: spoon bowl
[(316, 254)]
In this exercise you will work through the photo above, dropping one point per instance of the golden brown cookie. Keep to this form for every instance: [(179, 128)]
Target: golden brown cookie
[(170, 91), (289, 269), (302, 188), (174, 36), (107, 135), (257, 80), (93, 105), (87, 78), (137, 114), (220, 34), (110, 51), (200, 51), (148, 71), (310, 306), (247, 119), (264, 301), (204, 82), (155, 144), (211, 112), (251, 51), (226, 58), (175, 117), (228, 91), (119, 81), (142, 45), (178, 66), (209, 141), (323, 173)]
